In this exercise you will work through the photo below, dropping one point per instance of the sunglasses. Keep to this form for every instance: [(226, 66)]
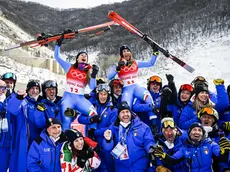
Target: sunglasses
[(49, 84), (186, 87), (9, 75), (206, 110), (155, 79), (104, 87), (167, 124)]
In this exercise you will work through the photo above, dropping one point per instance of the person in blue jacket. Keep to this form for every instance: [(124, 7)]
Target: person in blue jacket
[(201, 99), (44, 153), (50, 105), (127, 70), (209, 119), (198, 152), (22, 106), (175, 102), (107, 115), (171, 139), (202, 80), (116, 86), (154, 85), (4, 129), (78, 75), (129, 141), (10, 79)]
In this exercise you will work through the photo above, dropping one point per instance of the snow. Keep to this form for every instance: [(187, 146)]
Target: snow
[(208, 55)]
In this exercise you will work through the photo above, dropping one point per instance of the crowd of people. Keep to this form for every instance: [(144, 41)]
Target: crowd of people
[(128, 127)]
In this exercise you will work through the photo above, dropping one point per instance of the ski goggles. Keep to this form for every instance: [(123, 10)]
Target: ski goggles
[(9, 75), (198, 79), (3, 88), (118, 82), (103, 87), (34, 80), (206, 110), (50, 83), (186, 87), (155, 79), (167, 124)]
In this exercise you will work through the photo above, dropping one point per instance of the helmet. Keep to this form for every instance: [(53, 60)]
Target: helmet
[(199, 80), (9, 75), (154, 78), (187, 87), (123, 47), (49, 84), (208, 111), (33, 83)]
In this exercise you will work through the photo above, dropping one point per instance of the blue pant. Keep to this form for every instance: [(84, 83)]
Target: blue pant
[(79, 103)]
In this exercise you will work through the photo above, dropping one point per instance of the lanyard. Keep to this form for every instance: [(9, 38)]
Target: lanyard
[(122, 134)]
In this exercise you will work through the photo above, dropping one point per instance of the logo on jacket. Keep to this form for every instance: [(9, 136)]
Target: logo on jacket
[(206, 150), (46, 149), (135, 133)]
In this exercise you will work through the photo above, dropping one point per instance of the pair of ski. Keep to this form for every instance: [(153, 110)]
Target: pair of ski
[(117, 19)]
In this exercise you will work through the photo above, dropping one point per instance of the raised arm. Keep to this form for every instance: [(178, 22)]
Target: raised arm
[(65, 65), (148, 63)]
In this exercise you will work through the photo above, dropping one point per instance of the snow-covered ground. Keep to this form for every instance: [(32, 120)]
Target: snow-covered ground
[(208, 55)]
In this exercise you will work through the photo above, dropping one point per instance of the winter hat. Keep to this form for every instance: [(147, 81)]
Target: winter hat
[(81, 52), (199, 80), (33, 83), (72, 134), (200, 87), (52, 121), (196, 124), (123, 47), (122, 106)]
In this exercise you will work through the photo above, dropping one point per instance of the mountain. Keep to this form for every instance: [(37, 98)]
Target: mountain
[(166, 21), (195, 31)]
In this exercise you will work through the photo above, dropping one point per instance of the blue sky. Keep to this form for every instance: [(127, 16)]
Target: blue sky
[(74, 3)]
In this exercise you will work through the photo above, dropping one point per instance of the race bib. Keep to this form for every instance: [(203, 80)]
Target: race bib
[(74, 89)]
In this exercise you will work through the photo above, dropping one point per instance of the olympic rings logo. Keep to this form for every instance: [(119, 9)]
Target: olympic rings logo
[(76, 74), (131, 69)]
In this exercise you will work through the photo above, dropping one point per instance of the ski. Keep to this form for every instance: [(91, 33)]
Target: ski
[(121, 21), (44, 39)]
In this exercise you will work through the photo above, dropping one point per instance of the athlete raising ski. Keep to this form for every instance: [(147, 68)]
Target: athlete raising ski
[(127, 70), (78, 75)]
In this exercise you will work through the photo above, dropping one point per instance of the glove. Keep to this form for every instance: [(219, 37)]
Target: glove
[(60, 40), (162, 169), (81, 162), (91, 133), (155, 50), (224, 145), (70, 112), (170, 78), (159, 152), (155, 109), (95, 119), (86, 154), (226, 126), (218, 81), (120, 64), (95, 69), (166, 91), (41, 107)]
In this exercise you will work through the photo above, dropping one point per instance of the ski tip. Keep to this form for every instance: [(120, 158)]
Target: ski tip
[(111, 13), (189, 68)]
